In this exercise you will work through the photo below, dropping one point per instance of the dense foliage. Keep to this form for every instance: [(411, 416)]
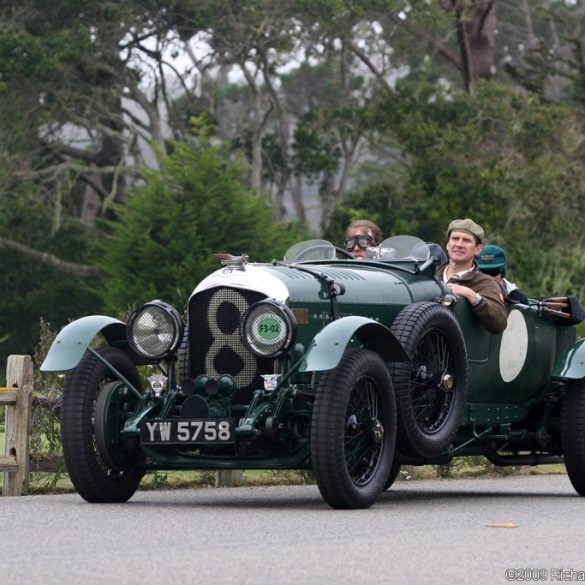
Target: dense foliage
[(33, 289), (506, 159), (409, 112), (194, 206)]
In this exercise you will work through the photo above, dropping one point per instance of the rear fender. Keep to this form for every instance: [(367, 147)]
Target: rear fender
[(332, 341), (571, 365), (70, 345)]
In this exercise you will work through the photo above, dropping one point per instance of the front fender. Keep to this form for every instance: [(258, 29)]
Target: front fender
[(70, 345), (571, 365), (331, 342)]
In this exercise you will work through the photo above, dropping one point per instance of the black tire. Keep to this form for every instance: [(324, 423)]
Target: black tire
[(573, 433), (431, 388), (392, 475), (353, 430), (93, 478)]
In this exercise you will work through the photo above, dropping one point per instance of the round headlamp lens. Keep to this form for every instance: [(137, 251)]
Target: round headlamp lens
[(268, 328), (155, 330)]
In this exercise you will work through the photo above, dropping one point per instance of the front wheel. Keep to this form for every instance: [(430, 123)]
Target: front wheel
[(353, 430), (573, 434), (394, 471), (98, 475)]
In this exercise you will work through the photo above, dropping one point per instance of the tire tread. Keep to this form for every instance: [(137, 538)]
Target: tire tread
[(79, 396), (573, 434), (327, 430)]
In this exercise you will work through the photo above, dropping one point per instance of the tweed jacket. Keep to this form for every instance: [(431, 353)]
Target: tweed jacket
[(491, 311)]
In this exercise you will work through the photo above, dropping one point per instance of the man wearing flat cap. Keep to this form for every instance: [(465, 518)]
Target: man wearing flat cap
[(462, 275)]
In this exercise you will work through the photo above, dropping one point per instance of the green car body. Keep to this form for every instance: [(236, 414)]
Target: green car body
[(373, 362)]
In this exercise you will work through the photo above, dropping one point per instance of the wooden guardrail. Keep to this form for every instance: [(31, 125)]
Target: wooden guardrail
[(17, 398)]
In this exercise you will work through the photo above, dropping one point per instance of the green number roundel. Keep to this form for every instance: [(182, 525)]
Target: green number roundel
[(269, 328)]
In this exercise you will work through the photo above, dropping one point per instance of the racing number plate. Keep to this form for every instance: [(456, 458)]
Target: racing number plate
[(193, 431)]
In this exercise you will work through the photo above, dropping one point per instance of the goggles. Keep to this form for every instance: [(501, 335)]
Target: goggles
[(362, 241)]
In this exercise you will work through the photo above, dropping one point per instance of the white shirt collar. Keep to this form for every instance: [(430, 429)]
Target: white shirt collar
[(457, 275)]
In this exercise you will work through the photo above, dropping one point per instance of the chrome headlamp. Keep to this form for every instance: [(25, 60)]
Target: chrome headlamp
[(268, 328), (155, 330)]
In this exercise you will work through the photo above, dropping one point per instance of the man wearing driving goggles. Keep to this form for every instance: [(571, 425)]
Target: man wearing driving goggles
[(360, 235)]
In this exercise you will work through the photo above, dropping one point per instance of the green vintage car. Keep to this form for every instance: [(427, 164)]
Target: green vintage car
[(349, 368)]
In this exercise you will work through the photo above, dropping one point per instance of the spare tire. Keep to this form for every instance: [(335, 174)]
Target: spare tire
[(431, 388)]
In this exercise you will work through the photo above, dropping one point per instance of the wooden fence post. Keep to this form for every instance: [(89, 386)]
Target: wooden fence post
[(19, 373), (228, 477)]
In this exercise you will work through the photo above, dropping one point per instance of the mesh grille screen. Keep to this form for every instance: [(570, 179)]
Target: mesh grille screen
[(215, 347)]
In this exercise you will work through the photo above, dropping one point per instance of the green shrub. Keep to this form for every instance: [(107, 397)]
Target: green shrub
[(197, 204)]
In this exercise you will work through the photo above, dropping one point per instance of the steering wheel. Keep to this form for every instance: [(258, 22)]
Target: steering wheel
[(343, 252)]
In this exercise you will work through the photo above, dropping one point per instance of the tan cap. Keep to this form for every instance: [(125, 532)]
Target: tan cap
[(466, 225)]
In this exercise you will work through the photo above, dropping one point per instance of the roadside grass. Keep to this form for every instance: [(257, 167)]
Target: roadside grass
[(470, 467), (59, 483), (464, 468)]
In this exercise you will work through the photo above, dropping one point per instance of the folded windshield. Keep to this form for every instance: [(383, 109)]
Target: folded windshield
[(391, 249), (400, 248), (310, 250)]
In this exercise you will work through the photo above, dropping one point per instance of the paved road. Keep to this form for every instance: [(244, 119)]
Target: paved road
[(422, 532)]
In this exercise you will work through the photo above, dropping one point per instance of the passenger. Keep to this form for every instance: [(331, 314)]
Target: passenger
[(360, 235), (492, 260), (463, 277)]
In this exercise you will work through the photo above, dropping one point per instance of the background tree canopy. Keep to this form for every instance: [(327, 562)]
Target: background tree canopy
[(408, 112)]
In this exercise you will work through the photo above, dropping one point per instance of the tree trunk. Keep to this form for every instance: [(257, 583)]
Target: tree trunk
[(283, 136), (476, 29), (328, 200), (256, 180), (297, 199)]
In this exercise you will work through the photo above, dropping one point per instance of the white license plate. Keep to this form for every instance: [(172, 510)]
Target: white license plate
[(191, 431)]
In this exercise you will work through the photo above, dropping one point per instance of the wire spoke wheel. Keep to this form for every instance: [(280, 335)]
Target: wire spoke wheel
[(431, 388), (353, 430), (431, 384), (363, 432)]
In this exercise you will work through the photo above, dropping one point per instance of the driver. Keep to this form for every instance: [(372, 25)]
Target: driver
[(463, 277), (360, 235)]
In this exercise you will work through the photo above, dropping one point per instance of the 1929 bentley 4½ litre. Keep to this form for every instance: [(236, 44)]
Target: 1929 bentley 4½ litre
[(346, 367)]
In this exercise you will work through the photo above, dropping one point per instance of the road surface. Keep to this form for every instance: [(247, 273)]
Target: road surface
[(437, 532)]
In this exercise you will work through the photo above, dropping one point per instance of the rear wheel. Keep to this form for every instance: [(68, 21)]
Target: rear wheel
[(102, 467), (431, 388), (573, 434), (353, 430)]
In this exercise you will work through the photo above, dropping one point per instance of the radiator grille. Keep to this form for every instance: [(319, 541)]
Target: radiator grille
[(215, 347)]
